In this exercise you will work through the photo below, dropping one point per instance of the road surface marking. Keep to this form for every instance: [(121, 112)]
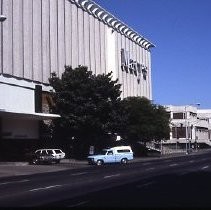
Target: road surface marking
[(203, 159), (45, 188), (183, 173), (191, 161), (175, 164), (204, 167), (21, 181), (144, 164), (78, 174), (78, 204), (150, 169), (110, 176), (144, 185)]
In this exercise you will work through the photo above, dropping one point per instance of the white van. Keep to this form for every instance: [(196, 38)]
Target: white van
[(119, 154)]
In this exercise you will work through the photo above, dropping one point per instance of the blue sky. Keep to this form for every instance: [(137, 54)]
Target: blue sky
[(181, 31)]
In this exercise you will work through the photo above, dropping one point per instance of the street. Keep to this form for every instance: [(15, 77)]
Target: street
[(182, 181)]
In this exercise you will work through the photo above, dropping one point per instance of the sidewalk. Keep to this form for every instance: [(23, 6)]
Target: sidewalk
[(9, 169)]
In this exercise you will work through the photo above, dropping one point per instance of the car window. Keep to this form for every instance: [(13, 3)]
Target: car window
[(50, 152), (123, 150), (58, 151), (110, 153), (44, 152)]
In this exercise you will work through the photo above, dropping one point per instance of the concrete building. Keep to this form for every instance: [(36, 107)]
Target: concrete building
[(205, 115), (39, 37), (190, 127)]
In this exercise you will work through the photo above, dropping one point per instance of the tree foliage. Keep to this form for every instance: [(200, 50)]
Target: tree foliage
[(91, 111), (89, 106), (145, 121)]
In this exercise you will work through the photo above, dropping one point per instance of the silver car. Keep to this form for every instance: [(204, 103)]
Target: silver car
[(57, 154)]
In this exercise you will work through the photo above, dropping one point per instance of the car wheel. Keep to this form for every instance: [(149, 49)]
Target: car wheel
[(99, 162), (124, 161), (57, 161)]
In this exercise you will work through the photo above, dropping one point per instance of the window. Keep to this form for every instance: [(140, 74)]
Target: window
[(193, 114), (44, 152), (57, 151), (179, 115), (123, 150), (50, 152), (178, 132), (110, 153)]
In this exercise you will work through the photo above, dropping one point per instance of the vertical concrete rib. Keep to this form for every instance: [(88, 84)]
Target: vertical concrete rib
[(68, 33), (1, 39), (61, 37)]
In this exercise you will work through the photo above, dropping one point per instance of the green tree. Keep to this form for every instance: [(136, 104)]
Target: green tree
[(145, 121), (161, 122), (89, 106)]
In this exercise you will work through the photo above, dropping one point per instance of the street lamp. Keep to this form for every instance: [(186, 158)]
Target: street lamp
[(187, 141)]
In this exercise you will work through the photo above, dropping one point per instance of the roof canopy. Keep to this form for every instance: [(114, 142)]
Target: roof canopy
[(104, 16), (28, 116)]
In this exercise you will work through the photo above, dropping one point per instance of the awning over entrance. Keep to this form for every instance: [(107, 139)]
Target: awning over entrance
[(29, 116)]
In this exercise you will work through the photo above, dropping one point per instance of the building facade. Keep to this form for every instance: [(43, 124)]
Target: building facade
[(205, 115), (40, 37), (189, 125)]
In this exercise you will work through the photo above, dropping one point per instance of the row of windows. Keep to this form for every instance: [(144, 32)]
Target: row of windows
[(181, 115), (180, 132)]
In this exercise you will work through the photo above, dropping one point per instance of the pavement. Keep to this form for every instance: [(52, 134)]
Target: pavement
[(10, 169)]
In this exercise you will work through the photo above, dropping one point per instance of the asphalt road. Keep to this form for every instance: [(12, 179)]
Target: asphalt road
[(171, 182)]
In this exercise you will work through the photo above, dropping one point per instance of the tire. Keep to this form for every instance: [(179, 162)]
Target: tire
[(124, 161), (57, 161), (99, 162)]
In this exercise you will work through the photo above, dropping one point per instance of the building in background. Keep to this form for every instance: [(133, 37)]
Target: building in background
[(205, 115), (190, 127), (39, 37)]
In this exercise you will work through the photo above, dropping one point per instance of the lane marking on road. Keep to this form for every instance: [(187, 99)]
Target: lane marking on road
[(175, 164), (78, 204), (13, 182), (191, 161), (144, 185), (205, 167), (203, 159), (144, 164), (110, 176), (78, 174), (45, 188), (183, 173), (148, 169)]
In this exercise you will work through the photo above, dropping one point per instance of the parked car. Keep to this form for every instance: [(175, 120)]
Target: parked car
[(42, 159), (56, 154), (120, 154)]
